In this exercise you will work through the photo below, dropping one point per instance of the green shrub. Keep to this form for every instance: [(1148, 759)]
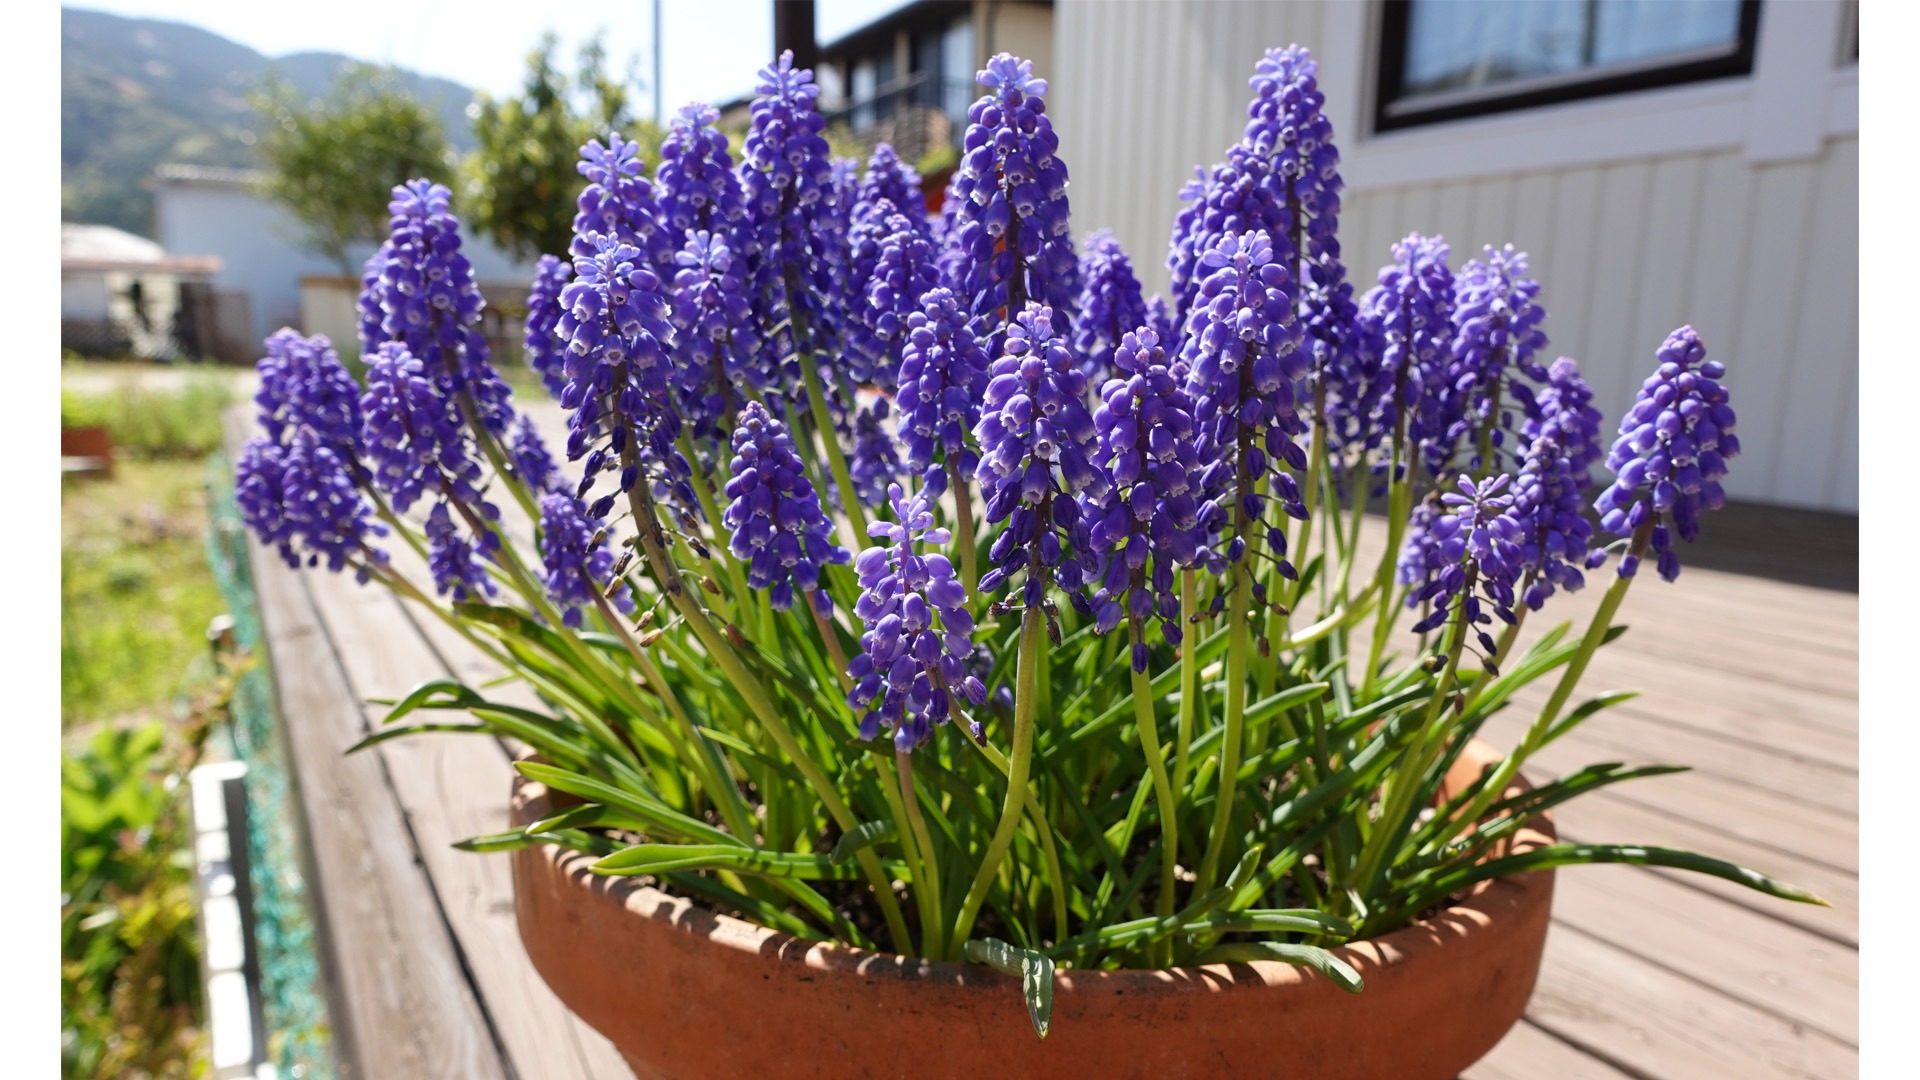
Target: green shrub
[(178, 421)]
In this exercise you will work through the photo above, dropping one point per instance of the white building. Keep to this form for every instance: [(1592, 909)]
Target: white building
[(1663, 163), (124, 295), (267, 279)]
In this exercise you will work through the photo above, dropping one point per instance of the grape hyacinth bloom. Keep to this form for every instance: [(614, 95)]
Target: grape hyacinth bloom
[(788, 182), (546, 353), (895, 181), (1471, 558), (531, 460), (578, 562), (1555, 534), (902, 273), (917, 647), (1243, 357), (618, 203), (779, 530), (1410, 312), (454, 561), (695, 184), (617, 376), (414, 439), (875, 462), (1010, 202), (943, 376), (717, 348), (1110, 305), (1036, 443), (1563, 408), (1149, 514), (1496, 332), (420, 292), (1673, 449), (303, 383)]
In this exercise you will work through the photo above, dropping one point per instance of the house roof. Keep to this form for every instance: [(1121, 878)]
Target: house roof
[(102, 247)]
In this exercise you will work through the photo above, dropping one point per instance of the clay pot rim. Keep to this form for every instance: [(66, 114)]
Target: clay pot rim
[(1487, 910)]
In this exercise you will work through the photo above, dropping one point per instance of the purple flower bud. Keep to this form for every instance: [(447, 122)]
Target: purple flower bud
[(578, 561), (779, 530), (1110, 305), (1563, 409), (1496, 331), (546, 351), (943, 377), (1463, 557)]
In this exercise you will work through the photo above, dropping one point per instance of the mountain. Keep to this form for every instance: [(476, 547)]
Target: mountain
[(135, 93)]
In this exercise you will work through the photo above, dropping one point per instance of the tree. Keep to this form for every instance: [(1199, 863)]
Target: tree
[(333, 161), (522, 178)]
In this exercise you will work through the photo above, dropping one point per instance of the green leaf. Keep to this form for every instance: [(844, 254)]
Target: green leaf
[(1306, 956), (1552, 855), (385, 734), (1274, 920), (1575, 718), (862, 837), (658, 817), (429, 693), (1034, 970), (663, 858)]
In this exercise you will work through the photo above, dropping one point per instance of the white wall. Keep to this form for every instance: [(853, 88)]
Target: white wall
[(1730, 205), (83, 296)]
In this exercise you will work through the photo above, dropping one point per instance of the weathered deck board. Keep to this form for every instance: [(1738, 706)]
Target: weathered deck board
[(1648, 973)]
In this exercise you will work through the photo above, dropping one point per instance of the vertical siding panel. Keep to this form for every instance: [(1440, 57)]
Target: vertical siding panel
[(1844, 487), (1568, 263), (1758, 370), (1818, 370), (1492, 219), (1530, 229), (1373, 239), (1720, 255), (1452, 218), (1414, 212), (1616, 252), (1666, 260)]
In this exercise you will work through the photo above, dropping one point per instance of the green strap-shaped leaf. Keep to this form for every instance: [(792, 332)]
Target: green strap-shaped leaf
[(664, 858), (1306, 956), (862, 837), (1034, 970)]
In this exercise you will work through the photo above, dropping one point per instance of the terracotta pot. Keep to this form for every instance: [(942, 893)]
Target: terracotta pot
[(92, 445), (686, 993)]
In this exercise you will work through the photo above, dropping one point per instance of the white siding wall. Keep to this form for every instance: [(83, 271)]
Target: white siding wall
[(1756, 246)]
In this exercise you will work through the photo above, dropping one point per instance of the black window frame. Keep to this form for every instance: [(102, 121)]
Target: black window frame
[(1604, 82)]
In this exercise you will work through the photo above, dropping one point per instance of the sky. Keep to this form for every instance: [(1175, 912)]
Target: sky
[(712, 47)]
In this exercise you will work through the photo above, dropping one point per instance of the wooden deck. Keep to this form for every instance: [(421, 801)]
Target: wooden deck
[(1748, 676)]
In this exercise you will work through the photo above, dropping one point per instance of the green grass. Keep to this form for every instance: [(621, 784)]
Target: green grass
[(151, 421), (136, 593)]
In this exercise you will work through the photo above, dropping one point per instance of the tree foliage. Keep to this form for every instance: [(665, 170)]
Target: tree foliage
[(522, 178), (333, 161)]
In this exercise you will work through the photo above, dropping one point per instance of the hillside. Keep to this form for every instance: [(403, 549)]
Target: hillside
[(138, 92)]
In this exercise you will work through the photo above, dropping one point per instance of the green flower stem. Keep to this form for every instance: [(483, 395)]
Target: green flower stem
[(823, 420), (1236, 695), (1509, 766), (1189, 678), (1399, 506), (913, 854), (963, 530), (1162, 789), (646, 525), (1034, 810), (1026, 702), (496, 457), (931, 919), (830, 637), (710, 509), (1404, 782)]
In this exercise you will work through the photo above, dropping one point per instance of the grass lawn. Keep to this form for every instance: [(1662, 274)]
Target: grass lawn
[(136, 593)]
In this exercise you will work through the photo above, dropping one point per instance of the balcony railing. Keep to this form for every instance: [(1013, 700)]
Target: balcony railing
[(914, 114)]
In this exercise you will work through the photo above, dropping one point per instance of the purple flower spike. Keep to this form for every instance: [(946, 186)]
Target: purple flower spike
[(1496, 331), (918, 645), (1036, 444), (303, 383), (618, 375), (895, 181), (1563, 409), (419, 291), (694, 182), (1468, 559), (718, 349), (618, 202), (1110, 305), (779, 530), (903, 272), (579, 563), (1147, 523), (1009, 233), (943, 376), (1243, 358), (414, 439), (546, 352), (787, 176), (1409, 316), (875, 463), (1673, 449), (455, 562), (1555, 534), (531, 459)]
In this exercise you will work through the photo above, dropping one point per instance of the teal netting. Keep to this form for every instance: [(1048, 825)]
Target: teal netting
[(293, 996)]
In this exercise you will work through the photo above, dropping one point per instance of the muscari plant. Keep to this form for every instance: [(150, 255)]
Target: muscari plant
[(1082, 661)]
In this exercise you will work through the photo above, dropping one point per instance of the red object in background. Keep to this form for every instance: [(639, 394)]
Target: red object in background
[(87, 449)]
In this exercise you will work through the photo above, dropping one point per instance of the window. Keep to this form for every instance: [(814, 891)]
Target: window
[(1449, 59)]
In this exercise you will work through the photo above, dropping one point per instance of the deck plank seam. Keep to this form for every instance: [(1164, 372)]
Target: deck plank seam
[(1784, 753), (1654, 808), (413, 844)]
